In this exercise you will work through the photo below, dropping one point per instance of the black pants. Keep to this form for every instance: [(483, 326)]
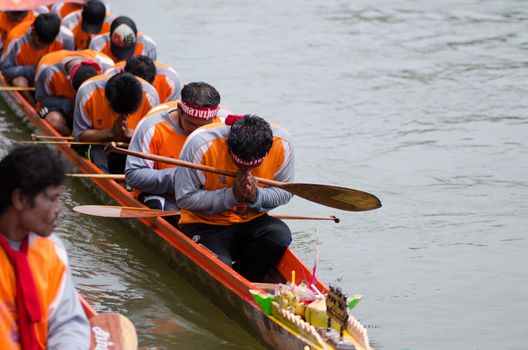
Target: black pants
[(161, 203), (113, 163), (254, 246)]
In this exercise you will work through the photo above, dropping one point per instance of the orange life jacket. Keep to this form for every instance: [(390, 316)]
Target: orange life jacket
[(48, 269)]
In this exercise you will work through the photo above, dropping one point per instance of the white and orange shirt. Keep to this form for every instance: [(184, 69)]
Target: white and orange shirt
[(157, 134), (208, 198), (167, 81), (144, 46), (63, 9), (52, 85), (82, 39), (64, 324), (19, 58), (93, 111)]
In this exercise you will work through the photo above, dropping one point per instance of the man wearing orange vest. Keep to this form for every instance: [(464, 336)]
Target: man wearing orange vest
[(85, 24), (164, 78), (124, 41), (108, 108), (163, 132), (63, 9), (27, 43), (10, 19), (229, 216), (59, 75), (39, 306)]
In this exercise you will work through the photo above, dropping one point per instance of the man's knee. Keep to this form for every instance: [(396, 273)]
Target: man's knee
[(278, 233), (20, 81)]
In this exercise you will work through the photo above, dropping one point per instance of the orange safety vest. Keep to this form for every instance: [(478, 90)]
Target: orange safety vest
[(217, 155), (55, 81), (73, 22), (144, 46), (95, 109), (166, 82), (26, 55), (62, 9), (6, 23), (48, 270)]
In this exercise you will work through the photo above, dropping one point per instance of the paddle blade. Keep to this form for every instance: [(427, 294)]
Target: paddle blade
[(334, 196), (122, 212), (112, 331)]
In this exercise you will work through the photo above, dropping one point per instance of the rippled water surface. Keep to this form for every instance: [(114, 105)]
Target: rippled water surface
[(422, 103)]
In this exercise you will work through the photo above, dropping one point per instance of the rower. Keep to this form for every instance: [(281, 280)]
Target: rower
[(63, 9), (229, 216), (124, 41), (108, 108), (85, 24), (27, 43), (10, 19), (39, 305), (163, 132), (163, 77), (58, 76)]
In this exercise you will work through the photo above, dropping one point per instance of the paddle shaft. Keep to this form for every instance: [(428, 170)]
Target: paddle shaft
[(16, 88), (45, 137), (72, 143), (99, 176), (332, 196), (141, 212), (186, 164)]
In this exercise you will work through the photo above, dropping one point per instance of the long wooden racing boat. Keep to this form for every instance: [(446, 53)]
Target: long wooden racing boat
[(277, 327)]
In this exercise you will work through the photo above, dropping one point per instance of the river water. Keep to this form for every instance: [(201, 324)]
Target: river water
[(421, 103)]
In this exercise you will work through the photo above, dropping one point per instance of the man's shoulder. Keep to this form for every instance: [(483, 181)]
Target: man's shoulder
[(52, 244)]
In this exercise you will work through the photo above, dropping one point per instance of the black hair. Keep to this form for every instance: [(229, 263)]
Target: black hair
[(141, 66), (124, 93), (250, 138), (200, 94), (47, 26), (30, 168), (17, 15), (82, 74)]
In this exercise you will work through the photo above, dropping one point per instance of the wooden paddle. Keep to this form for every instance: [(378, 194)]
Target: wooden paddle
[(16, 88), (99, 176), (66, 142), (331, 196), (109, 211), (46, 137), (112, 331)]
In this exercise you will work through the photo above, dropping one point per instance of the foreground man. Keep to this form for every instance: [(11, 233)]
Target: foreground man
[(163, 132), (229, 216), (39, 306)]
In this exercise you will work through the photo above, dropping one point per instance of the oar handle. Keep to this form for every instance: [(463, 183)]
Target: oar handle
[(112, 146), (98, 176), (46, 137), (16, 88), (66, 142)]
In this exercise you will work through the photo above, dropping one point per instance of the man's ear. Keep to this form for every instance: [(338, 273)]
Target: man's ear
[(18, 199)]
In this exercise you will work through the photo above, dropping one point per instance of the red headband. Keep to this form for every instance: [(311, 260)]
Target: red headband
[(199, 112), (89, 63), (247, 164)]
